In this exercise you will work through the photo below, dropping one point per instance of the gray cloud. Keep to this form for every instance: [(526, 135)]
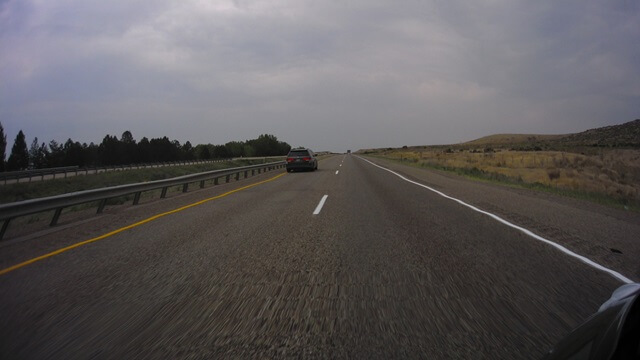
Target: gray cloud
[(322, 74)]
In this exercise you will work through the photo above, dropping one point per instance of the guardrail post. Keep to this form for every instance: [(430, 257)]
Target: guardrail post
[(237, 176), (5, 225), (253, 172), (202, 184), (56, 216), (101, 206), (185, 187), (259, 171), (136, 198), (215, 181), (246, 174), (163, 194), (228, 177)]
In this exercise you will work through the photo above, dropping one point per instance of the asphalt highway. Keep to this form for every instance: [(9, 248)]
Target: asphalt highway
[(350, 261)]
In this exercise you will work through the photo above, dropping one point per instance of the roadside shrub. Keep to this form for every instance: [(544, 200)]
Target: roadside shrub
[(553, 174)]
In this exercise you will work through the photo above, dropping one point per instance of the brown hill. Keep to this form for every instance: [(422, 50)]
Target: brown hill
[(623, 135), (511, 139)]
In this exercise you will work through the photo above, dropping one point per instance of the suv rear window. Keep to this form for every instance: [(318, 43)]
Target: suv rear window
[(299, 153)]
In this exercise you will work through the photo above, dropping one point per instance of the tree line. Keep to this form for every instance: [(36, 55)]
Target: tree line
[(126, 150)]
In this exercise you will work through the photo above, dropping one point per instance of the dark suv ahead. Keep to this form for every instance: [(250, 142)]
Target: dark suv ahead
[(301, 159)]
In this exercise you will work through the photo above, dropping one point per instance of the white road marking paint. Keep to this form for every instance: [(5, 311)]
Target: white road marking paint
[(337, 171), (320, 205), (340, 165), (585, 260)]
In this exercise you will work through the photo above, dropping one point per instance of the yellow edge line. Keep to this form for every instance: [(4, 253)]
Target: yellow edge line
[(128, 227)]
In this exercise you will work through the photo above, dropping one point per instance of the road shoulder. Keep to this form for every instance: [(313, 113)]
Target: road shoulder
[(603, 234)]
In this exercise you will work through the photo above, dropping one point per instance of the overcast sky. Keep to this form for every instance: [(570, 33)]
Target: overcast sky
[(330, 75)]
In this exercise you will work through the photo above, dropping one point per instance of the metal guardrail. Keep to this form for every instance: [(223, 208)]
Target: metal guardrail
[(14, 210), (75, 170), (17, 175)]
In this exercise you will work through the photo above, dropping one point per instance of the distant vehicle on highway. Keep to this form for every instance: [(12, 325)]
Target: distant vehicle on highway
[(348, 151), (301, 159)]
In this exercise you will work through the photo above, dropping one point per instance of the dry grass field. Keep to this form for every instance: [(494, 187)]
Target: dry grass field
[(558, 162)]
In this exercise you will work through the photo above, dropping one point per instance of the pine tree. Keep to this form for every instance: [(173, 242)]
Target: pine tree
[(19, 158), (55, 157), (3, 147), (37, 154)]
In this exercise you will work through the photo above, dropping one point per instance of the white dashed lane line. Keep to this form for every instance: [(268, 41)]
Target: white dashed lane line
[(320, 205)]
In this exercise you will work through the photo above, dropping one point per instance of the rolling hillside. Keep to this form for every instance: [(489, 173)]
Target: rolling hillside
[(602, 163), (625, 135)]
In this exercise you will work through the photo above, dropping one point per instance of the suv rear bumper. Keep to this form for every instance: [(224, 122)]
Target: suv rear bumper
[(301, 166)]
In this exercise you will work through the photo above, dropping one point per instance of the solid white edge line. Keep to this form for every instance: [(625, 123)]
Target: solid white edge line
[(320, 205), (337, 171), (585, 260)]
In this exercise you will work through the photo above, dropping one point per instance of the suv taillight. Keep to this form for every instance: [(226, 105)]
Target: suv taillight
[(290, 160), (306, 159)]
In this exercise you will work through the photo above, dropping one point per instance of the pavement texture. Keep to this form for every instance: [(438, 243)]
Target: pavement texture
[(386, 270)]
